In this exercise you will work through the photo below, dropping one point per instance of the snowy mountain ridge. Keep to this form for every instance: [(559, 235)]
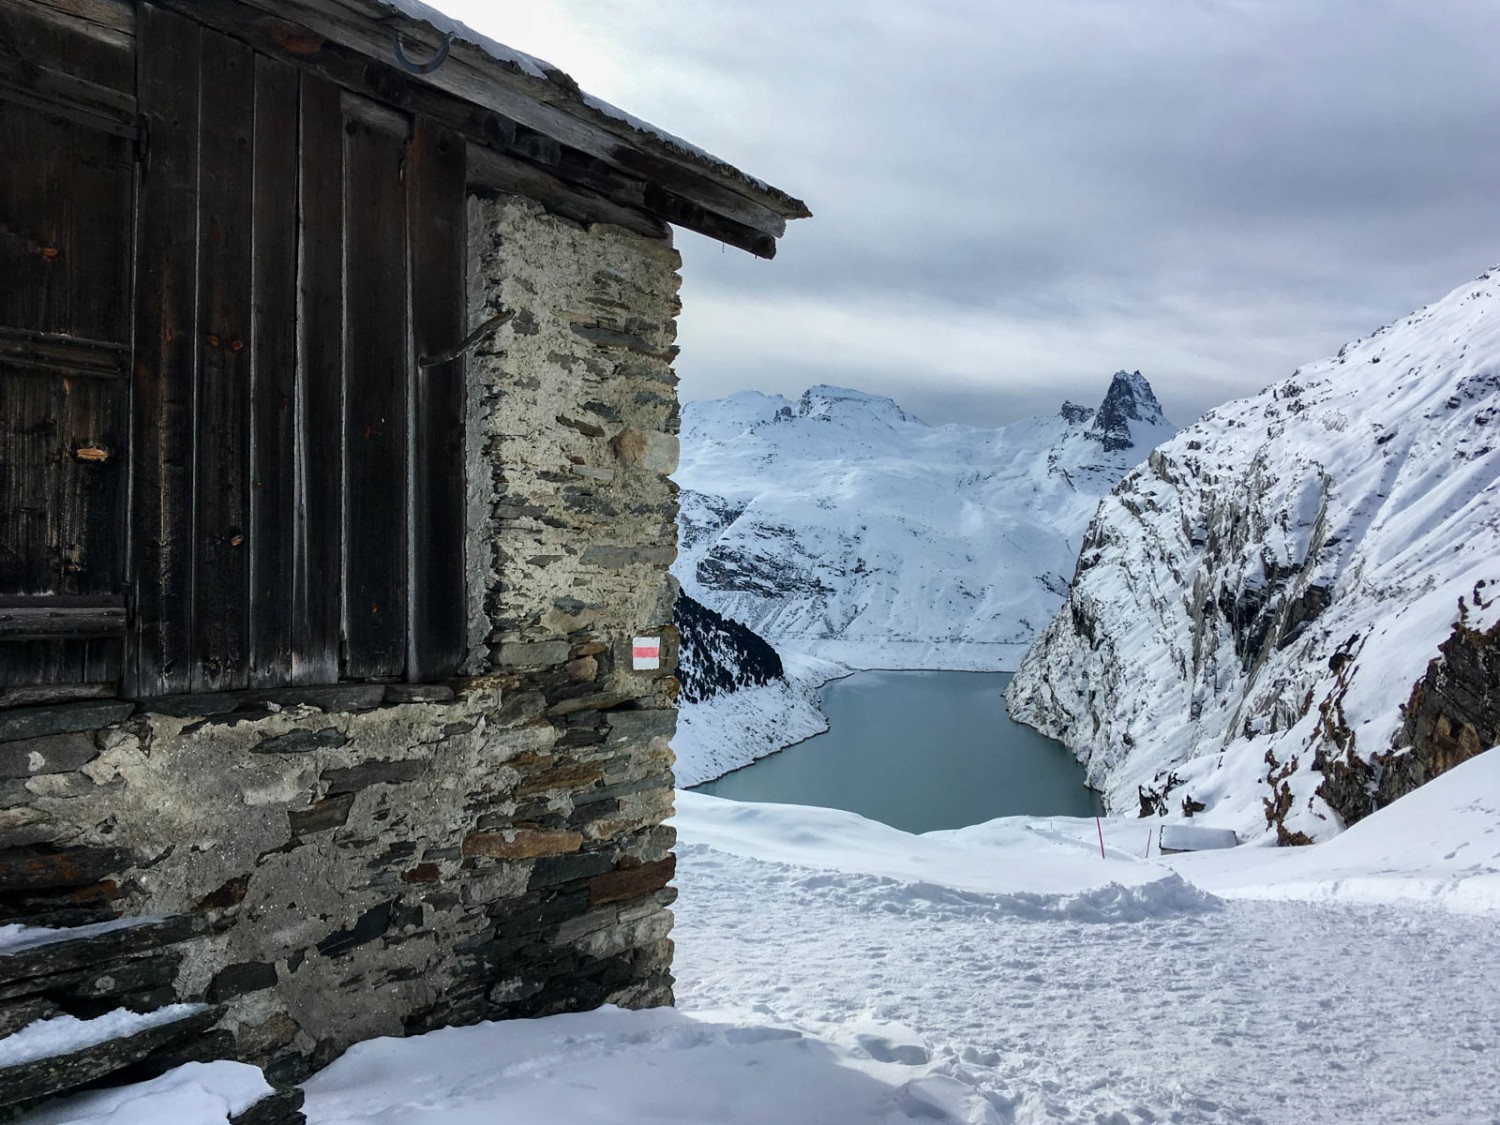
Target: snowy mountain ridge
[(840, 526), (1253, 604)]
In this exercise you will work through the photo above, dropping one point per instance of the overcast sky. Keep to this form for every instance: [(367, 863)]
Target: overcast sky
[(1013, 200)]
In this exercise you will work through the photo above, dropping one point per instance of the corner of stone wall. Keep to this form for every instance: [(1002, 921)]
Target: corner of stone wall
[(333, 864)]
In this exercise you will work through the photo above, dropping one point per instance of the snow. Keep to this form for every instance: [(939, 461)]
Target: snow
[(63, 1035), (1370, 475), (192, 1094), (1184, 838), (16, 938), (833, 969), (733, 729), (1042, 856), (841, 527), (1225, 1010), (1439, 846), (610, 1066)]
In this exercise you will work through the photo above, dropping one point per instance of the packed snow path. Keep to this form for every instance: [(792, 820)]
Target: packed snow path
[(833, 970), (1230, 1011)]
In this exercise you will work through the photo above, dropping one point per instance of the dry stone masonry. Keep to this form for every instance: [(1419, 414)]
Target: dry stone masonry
[(317, 866)]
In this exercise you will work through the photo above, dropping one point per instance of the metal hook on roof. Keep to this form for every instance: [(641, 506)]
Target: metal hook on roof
[(405, 61)]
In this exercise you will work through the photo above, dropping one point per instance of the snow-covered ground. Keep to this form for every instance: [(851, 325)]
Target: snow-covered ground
[(831, 969)]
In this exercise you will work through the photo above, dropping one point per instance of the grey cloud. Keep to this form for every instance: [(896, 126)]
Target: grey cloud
[(1038, 194)]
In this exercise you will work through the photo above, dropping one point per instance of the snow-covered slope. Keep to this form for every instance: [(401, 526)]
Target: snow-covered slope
[(838, 525), (740, 701), (1264, 591)]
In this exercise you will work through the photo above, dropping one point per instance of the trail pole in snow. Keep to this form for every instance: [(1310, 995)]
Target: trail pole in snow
[(1100, 825), (1147, 852)]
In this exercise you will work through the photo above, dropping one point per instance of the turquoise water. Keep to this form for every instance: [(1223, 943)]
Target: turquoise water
[(919, 751)]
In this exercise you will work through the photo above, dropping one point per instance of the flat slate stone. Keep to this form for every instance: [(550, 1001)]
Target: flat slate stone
[(355, 778), (301, 742), (332, 812), (53, 753), (33, 869), (96, 949), (284, 1107), (57, 1074), (64, 718), (418, 693), (332, 697), (237, 980), (194, 706)]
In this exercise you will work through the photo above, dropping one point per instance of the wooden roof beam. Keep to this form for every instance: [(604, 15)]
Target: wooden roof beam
[(512, 157), (554, 108)]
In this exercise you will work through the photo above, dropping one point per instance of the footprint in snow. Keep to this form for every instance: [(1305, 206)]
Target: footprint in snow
[(881, 1049)]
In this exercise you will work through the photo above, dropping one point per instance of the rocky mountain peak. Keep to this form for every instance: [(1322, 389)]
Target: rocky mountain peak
[(1129, 399)]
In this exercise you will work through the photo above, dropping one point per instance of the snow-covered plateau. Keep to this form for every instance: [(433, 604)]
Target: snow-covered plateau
[(833, 970), (1255, 604)]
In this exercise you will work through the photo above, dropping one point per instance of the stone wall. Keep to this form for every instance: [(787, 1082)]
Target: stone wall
[(381, 859)]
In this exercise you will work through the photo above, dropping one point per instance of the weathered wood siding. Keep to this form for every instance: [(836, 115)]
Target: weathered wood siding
[(66, 207), (297, 478)]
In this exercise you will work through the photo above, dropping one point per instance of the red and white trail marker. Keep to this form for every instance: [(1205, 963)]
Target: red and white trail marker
[(645, 653)]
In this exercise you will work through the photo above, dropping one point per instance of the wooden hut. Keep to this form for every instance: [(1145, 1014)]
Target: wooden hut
[(336, 408)]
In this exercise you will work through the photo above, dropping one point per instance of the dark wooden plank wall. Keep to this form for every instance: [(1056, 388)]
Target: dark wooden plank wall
[(377, 374), (273, 479), (66, 204), (226, 223), (437, 179), (318, 596), (299, 485), (170, 77)]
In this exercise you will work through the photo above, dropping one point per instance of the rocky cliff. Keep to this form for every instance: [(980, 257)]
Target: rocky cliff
[(1259, 598)]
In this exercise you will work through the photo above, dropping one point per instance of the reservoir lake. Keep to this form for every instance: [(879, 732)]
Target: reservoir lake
[(919, 751)]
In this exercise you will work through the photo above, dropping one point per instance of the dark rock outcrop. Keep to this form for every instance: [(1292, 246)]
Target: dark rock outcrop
[(718, 654), (1075, 413), (1452, 715), (1129, 399)]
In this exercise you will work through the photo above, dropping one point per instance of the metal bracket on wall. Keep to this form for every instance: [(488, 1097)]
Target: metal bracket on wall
[(470, 341), (406, 63)]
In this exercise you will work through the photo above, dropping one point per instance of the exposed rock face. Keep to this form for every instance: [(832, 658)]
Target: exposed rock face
[(840, 526), (1129, 399), (1073, 413), (719, 655), (1453, 714), (1259, 596)]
